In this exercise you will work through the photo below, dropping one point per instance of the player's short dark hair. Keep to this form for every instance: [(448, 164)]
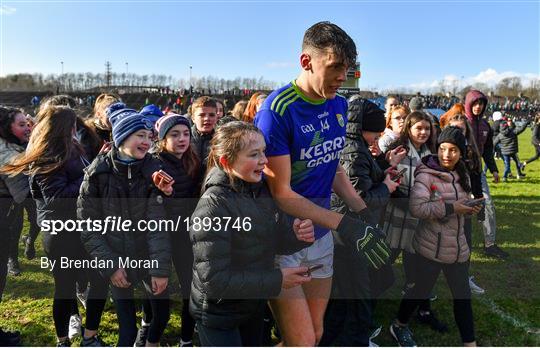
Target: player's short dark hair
[(323, 35)]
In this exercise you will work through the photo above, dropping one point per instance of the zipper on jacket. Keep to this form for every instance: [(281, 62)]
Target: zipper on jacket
[(129, 171), (438, 245), (410, 172), (458, 221)]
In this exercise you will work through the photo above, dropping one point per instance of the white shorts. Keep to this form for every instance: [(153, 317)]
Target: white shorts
[(320, 252)]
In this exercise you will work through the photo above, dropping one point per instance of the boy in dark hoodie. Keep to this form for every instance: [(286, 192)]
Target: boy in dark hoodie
[(475, 106)]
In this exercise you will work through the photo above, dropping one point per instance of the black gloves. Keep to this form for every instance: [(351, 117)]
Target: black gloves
[(365, 239)]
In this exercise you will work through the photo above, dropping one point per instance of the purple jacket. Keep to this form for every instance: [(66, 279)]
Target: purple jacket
[(482, 131)]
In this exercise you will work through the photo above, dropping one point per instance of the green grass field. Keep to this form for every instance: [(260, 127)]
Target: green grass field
[(508, 314)]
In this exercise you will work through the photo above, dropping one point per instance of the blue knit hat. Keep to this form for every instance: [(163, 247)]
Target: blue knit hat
[(152, 112), (114, 107), (126, 122)]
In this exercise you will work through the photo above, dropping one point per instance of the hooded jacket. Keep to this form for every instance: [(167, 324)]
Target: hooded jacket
[(16, 186), (440, 236), (111, 188), (362, 169), (481, 129), (233, 270)]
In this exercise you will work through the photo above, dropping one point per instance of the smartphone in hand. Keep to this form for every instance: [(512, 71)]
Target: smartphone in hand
[(399, 175), (313, 268), (165, 178), (474, 202)]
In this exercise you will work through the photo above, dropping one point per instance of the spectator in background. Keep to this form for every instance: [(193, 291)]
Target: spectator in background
[(235, 114), (508, 139), (35, 101), (497, 118), (220, 108), (252, 106), (417, 104), (395, 120), (391, 101), (152, 112), (99, 121), (535, 140), (204, 119), (475, 105), (456, 109)]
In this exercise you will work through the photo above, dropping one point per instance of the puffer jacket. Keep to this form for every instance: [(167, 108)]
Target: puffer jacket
[(55, 195), (112, 188), (508, 137), (233, 271), (12, 186), (185, 188), (399, 224), (363, 170), (481, 129), (440, 236), (201, 145), (535, 138)]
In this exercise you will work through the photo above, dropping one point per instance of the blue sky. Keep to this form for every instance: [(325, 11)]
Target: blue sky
[(400, 43)]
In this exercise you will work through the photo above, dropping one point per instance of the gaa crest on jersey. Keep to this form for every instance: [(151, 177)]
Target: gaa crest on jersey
[(340, 120)]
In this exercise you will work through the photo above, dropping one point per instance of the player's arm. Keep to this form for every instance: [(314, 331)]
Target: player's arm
[(278, 177), (343, 187)]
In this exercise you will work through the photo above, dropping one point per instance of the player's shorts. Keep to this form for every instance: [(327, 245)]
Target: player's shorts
[(320, 252)]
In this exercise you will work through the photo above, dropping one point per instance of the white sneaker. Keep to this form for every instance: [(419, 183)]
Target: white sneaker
[(372, 344), (75, 324), (474, 287), (375, 332)]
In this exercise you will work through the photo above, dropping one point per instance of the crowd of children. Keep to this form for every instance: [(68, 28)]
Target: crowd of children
[(293, 208)]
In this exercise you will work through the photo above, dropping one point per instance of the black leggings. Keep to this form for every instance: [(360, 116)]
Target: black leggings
[(15, 231), (457, 278), (127, 313), (68, 245), (30, 206), (183, 265), (409, 267), (249, 334), (6, 216), (535, 157)]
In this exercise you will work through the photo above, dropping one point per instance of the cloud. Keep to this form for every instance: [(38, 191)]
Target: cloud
[(280, 65), (6, 10), (489, 77)]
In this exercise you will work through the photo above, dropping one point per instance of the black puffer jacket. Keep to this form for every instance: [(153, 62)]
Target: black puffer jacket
[(113, 188), (201, 145), (535, 139), (186, 189), (508, 137), (56, 193), (363, 170), (234, 272)]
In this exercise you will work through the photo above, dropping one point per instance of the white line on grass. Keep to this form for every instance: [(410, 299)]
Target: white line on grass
[(507, 317)]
